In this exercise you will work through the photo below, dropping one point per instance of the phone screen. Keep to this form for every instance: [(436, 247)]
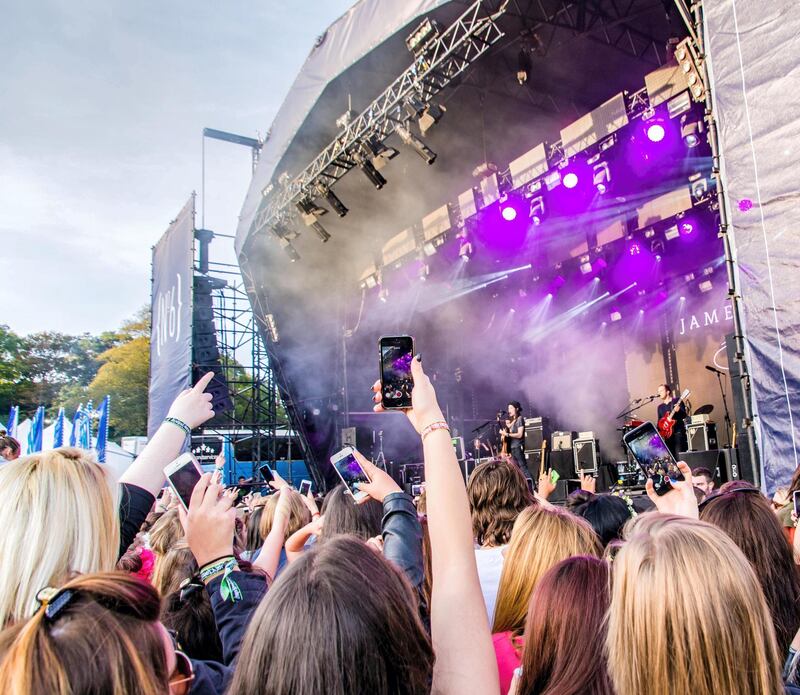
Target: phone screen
[(305, 487), (349, 470), (653, 456), (396, 382), (184, 479), (266, 473)]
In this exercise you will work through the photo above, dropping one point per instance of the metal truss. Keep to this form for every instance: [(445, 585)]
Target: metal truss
[(252, 423), (604, 21), (447, 57)]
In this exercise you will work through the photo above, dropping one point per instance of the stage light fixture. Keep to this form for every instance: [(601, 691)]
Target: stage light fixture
[(374, 176), (708, 270), (608, 143), (509, 213), (649, 233), (321, 232), (634, 249), (383, 294), (537, 210), (688, 277), (570, 179), (332, 199), (687, 228), (688, 61), (465, 250), (379, 152), (417, 41), (585, 264), (615, 316), (423, 271), (655, 132), (699, 188), (524, 66), (430, 116), (672, 232), (705, 286), (290, 250), (601, 177), (283, 231), (413, 141), (311, 212), (691, 130), (272, 328), (552, 179)]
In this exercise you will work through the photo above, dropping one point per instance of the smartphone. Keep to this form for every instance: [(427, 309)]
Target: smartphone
[(350, 471), (182, 475), (416, 490), (396, 382), (266, 473), (796, 502), (653, 456), (554, 476), (305, 487)]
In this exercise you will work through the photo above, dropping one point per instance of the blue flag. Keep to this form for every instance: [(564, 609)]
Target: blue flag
[(58, 430), (85, 427), (73, 437), (102, 430), (13, 421), (35, 433)]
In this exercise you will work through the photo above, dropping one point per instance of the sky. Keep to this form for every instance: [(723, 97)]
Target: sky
[(102, 107)]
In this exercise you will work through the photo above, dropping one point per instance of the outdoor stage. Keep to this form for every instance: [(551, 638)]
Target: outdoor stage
[(562, 250)]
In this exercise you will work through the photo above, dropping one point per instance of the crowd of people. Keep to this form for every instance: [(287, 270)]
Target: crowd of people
[(113, 587)]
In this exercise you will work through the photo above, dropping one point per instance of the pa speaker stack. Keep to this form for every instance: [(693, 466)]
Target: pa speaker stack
[(205, 350)]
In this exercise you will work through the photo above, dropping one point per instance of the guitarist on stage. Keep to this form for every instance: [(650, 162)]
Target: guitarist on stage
[(677, 443)]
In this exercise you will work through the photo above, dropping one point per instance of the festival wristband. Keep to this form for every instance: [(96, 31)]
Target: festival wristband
[(180, 424), (437, 425)]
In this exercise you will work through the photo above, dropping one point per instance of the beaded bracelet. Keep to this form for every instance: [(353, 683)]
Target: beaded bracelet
[(179, 423), (437, 425)]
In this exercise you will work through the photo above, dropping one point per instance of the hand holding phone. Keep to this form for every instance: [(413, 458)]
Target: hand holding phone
[(653, 456), (182, 475), (305, 487), (350, 471), (396, 353)]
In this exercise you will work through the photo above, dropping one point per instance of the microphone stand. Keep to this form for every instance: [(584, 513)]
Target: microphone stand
[(640, 403), (727, 413)]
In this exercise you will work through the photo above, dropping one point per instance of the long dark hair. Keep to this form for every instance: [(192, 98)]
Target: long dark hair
[(343, 515), (517, 407), (746, 516), (607, 514), (565, 631), (340, 620)]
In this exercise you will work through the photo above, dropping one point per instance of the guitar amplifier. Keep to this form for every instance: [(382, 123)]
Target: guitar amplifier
[(702, 437), (563, 461), (533, 459), (562, 441), (585, 452), (537, 430)]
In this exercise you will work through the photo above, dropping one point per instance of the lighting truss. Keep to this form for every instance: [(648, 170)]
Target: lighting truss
[(445, 58)]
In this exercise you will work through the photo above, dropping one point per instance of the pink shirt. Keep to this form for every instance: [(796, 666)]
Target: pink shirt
[(508, 652)]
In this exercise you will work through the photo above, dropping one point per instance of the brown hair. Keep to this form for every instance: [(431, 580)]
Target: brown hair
[(340, 620), (661, 640), (497, 493), (541, 538), (299, 515), (173, 567), (8, 442), (565, 631), (60, 656), (747, 517), (344, 516)]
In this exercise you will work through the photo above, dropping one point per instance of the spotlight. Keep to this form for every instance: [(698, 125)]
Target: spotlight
[(688, 277), (272, 328), (509, 213), (672, 232), (687, 228), (423, 271), (290, 250), (601, 177), (332, 199), (282, 230), (655, 132), (615, 316), (427, 114), (322, 233), (383, 294), (570, 180), (706, 286), (413, 141), (311, 212), (691, 130), (552, 179), (585, 264), (418, 40), (465, 250), (374, 176), (524, 66), (379, 152), (634, 249), (537, 210), (699, 188)]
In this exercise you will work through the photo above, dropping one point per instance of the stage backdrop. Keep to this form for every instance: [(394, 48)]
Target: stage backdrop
[(755, 50), (171, 316)]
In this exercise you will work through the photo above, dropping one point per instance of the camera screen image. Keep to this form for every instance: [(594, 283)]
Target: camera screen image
[(351, 472), (396, 373), (652, 453)]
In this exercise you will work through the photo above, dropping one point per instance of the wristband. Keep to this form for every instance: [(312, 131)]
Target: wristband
[(436, 425), (179, 423)]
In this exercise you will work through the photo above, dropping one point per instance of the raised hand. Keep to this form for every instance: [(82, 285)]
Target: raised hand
[(588, 482), (546, 485), (210, 521), (193, 406), (277, 482), (382, 483), (680, 499), (424, 406)]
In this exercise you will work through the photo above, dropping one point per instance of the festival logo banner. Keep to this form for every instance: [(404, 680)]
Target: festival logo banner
[(171, 316)]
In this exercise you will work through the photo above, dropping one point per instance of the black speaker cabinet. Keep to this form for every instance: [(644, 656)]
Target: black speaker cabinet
[(585, 453), (533, 461), (563, 462), (537, 429), (722, 463)]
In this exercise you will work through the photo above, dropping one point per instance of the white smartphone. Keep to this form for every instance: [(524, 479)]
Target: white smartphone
[(305, 487), (182, 475), (350, 471)]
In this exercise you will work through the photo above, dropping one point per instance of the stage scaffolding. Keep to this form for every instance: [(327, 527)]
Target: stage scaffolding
[(252, 424)]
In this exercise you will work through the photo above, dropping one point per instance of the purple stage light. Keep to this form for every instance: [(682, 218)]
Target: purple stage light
[(655, 132), (634, 249), (687, 228), (570, 180), (509, 213)]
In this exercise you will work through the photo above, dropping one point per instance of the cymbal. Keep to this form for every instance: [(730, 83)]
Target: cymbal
[(704, 409)]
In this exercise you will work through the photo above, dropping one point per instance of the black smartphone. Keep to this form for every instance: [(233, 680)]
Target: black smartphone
[(796, 502), (182, 475), (266, 473), (396, 382), (653, 456)]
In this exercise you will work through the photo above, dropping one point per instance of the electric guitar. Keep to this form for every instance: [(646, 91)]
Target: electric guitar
[(667, 423), (541, 459)]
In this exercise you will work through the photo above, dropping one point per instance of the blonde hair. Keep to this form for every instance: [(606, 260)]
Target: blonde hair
[(299, 515), (541, 538), (173, 567), (662, 640), (59, 516)]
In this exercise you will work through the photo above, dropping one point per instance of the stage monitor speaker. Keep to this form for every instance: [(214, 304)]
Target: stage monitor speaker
[(748, 469), (563, 462), (361, 438), (585, 454), (533, 461), (702, 437), (721, 462)]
